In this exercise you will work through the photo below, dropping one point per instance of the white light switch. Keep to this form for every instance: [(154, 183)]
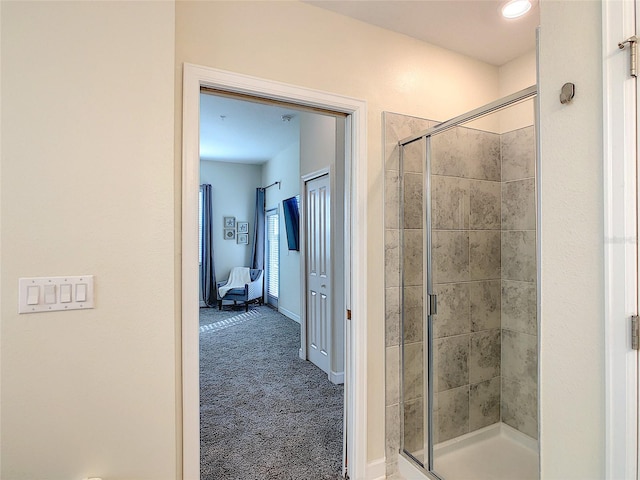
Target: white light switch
[(48, 294), (81, 292), (65, 293), (33, 294)]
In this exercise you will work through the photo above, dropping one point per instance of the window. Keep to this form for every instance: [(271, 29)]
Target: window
[(273, 256), (200, 226)]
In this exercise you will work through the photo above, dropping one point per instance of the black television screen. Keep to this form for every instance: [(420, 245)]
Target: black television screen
[(292, 222)]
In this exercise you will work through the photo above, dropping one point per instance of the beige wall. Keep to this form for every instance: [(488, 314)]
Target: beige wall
[(307, 46), (87, 188), (514, 76), (571, 226), (517, 74)]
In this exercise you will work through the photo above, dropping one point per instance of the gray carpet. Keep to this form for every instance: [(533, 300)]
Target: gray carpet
[(264, 413)]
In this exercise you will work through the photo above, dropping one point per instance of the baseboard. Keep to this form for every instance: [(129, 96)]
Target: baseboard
[(289, 314), (301, 354), (336, 378), (376, 470)]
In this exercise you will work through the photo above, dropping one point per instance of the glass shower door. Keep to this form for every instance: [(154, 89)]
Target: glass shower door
[(465, 262), (481, 266)]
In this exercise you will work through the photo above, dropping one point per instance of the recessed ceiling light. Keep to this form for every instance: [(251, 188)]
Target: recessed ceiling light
[(515, 8)]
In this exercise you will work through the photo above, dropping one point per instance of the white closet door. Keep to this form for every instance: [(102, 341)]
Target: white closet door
[(319, 298)]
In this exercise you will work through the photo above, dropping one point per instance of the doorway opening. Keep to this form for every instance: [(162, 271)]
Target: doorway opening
[(254, 150), (356, 348)]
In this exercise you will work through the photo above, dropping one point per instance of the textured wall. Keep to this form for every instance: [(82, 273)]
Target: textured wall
[(519, 301), (572, 340)]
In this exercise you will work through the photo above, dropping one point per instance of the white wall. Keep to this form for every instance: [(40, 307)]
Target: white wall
[(571, 223), (87, 188), (317, 142), (304, 45), (233, 188), (285, 168)]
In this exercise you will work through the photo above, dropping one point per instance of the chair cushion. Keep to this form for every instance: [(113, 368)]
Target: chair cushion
[(235, 291)]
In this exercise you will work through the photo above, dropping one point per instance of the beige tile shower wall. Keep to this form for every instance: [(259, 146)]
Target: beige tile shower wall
[(397, 127), (412, 349), (519, 316), (466, 258)]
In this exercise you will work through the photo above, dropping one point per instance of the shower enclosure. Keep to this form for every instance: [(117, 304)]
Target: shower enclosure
[(467, 294)]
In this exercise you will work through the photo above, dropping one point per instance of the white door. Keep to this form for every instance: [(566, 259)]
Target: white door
[(621, 128), (318, 261)]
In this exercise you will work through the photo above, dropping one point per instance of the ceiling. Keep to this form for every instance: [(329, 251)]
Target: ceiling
[(472, 27), (241, 131)]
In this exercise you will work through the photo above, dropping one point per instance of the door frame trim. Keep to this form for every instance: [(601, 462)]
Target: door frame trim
[(194, 77), (620, 258)]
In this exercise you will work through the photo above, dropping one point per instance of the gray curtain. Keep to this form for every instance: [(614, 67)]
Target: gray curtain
[(207, 266), (257, 253)]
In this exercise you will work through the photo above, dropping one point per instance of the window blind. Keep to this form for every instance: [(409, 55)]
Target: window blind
[(273, 239), (200, 226)]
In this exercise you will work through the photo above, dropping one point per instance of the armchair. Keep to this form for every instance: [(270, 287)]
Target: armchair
[(249, 292)]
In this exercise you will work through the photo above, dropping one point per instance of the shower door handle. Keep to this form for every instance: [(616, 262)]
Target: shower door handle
[(433, 304)]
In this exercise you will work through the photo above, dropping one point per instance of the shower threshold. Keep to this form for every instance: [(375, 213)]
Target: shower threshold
[(497, 452)]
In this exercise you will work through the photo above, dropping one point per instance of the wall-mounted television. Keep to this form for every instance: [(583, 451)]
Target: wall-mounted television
[(291, 210)]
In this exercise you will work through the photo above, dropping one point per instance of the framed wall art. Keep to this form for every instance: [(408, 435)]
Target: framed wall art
[(243, 238), (229, 222), (229, 233), (243, 227)]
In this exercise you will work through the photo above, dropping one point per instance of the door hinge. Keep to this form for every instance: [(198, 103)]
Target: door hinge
[(635, 333), (348, 314), (433, 304), (633, 43)]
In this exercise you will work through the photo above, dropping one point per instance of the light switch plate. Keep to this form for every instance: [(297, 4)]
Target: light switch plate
[(60, 302)]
